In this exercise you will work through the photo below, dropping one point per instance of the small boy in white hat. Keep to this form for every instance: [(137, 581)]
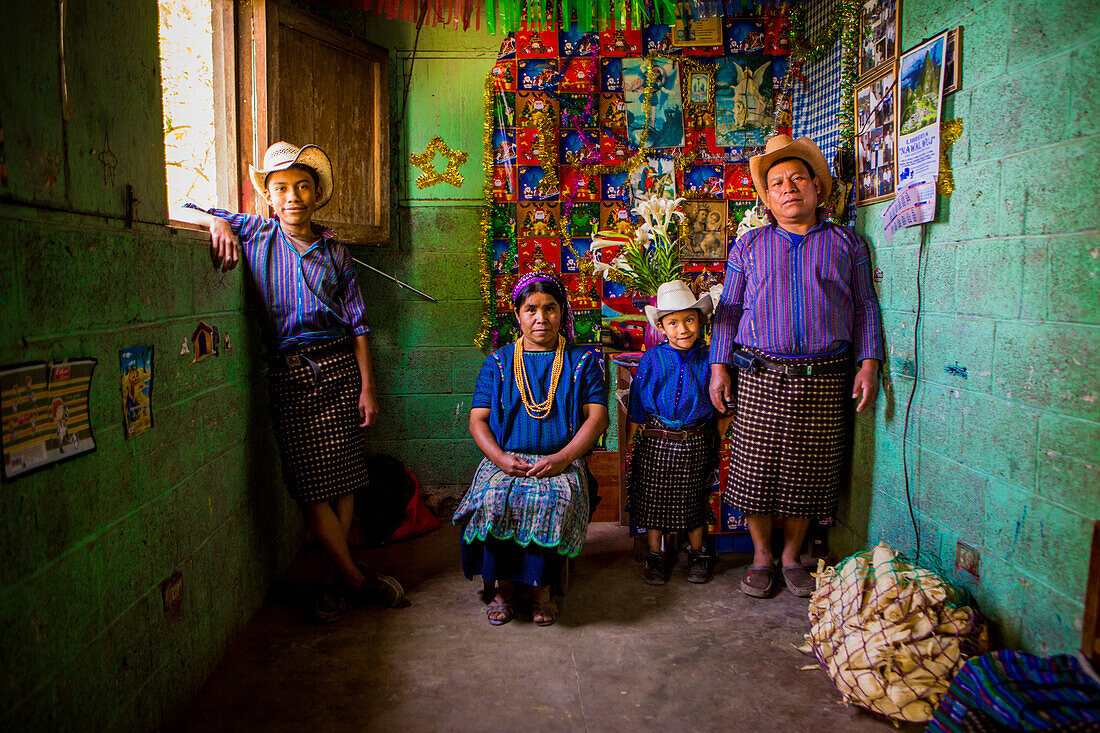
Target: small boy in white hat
[(321, 387), (672, 422)]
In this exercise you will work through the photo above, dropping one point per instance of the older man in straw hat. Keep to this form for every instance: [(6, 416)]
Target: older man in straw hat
[(797, 310), (320, 382)]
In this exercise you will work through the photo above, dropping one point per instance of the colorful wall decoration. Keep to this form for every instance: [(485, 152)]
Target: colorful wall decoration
[(579, 125)]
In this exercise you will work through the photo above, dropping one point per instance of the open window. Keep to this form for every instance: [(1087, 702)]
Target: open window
[(278, 73)]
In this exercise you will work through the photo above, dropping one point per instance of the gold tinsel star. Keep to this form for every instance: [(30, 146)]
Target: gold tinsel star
[(949, 133), (430, 175)]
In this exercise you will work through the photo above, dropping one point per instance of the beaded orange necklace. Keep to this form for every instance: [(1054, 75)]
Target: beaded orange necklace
[(540, 410)]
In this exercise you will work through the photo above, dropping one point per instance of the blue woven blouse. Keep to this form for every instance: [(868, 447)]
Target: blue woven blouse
[(581, 382), (672, 385)]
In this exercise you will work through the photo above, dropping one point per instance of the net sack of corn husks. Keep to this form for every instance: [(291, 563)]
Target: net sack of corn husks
[(888, 633)]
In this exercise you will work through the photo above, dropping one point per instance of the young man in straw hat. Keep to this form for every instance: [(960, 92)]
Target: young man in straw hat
[(315, 334), (797, 312)]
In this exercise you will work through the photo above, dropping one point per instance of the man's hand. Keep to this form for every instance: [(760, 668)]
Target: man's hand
[(224, 250), (866, 384), (368, 409), (721, 388), (552, 465), (513, 465)]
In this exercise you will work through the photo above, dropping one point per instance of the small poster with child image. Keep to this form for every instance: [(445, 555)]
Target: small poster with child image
[(136, 367), (45, 414)]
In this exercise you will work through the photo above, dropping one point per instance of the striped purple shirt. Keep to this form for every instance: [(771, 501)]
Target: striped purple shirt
[(798, 296), (308, 297)]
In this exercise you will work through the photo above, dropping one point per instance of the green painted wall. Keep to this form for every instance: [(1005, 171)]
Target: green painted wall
[(425, 362), (1005, 459), (84, 640)]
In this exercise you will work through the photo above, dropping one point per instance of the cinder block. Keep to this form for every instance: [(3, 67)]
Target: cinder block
[(1050, 622), (169, 452), (1084, 114), (1046, 541), (440, 417), (993, 284), (1049, 366), (1074, 290), (432, 228), (224, 417), (418, 370), (938, 419), (1039, 186), (985, 39), (937, 279), (975, 209), (467, 363), (1002, 594), (954, 346), (953, 494), (1034, 23), (928, 18), (393, 422), (444, 276), (890, 523), (1078, 439), (1002, 111), (432, 324)]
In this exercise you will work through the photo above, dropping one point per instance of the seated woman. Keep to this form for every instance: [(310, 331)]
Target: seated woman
[(538, 408)]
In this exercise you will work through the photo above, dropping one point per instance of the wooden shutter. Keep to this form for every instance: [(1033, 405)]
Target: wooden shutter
[(315, 83)]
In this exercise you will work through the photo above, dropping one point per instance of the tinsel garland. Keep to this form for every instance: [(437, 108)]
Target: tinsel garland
[(949, 134), (485, 286), (843, 25)]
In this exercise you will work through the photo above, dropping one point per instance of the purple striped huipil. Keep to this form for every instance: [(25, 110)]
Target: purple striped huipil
[(308, 297), (793, 298)]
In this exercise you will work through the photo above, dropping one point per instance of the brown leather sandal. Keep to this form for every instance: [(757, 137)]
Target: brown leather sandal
[(502, 610)]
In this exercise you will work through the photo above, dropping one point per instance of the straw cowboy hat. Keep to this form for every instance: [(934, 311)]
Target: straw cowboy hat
[(282, 155), (677, 296), (782, 146)]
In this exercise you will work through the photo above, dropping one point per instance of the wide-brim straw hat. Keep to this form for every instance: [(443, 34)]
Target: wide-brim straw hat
[(282, 155), (782, 146), (677, 296)]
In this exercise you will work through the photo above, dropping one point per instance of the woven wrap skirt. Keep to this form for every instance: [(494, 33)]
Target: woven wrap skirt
[(670, 480), (790, 439), (316, 422), (546, 512)]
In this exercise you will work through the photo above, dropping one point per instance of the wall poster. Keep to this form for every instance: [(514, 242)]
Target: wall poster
[(920, 87)]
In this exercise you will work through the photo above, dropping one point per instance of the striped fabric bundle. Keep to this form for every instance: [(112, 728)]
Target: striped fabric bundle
[(1010, 690)]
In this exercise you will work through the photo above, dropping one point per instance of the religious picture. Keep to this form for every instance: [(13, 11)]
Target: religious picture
[(878, 27), (700, 87), (136, 367), (657, 176), (662, 125), (920, 88), (876, 138), (703, 230), (743, 100)]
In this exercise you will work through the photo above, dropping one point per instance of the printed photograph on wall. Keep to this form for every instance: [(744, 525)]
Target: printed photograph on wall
[(878, 27), (702, 32), (743, 100), (701, 87), (920, 90), (136, 373), (656, 177), (950, 65), (703, 230), (665, 116), (876, 141), (45, 414)]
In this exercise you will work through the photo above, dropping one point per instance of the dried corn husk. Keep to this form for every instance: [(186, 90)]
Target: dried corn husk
[(886, 634)]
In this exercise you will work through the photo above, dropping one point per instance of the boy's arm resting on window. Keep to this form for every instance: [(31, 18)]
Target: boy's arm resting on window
[(224, 250)]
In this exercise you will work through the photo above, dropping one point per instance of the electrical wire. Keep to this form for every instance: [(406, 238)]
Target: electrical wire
[(912, 392)]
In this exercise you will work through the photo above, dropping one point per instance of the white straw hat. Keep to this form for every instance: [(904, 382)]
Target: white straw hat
[(677, 296), (282, 155)]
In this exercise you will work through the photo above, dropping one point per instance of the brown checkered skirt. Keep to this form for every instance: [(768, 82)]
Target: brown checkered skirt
[(790, 439), (316, 422), (670, 480)]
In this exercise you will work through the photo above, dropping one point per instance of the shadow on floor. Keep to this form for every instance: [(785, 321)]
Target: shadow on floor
[(624, 655)]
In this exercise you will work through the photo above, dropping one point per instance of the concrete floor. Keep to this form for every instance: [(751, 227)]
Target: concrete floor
[(624, 655)]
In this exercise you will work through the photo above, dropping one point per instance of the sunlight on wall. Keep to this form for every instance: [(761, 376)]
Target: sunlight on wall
[(185, 58)]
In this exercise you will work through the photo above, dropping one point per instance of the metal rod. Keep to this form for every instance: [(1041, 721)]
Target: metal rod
[(394, 279)]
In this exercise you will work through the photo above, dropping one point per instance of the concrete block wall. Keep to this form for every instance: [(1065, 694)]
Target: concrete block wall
[(1003, 449), (84, 638)]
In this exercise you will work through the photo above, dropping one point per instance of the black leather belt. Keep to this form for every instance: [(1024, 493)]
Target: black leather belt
[(673, 434), (306, 355), (804, 370)]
